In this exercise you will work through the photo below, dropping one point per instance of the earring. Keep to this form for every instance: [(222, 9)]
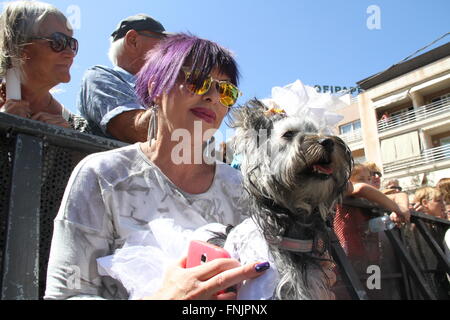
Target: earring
[(153, 124)]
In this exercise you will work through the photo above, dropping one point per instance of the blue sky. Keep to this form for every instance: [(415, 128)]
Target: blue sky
[(321, 42)]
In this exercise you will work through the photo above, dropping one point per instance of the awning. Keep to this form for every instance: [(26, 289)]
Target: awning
[(391, 99), (430, 83)]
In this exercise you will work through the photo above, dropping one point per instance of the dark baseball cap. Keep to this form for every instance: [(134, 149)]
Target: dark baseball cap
[(139, 22)]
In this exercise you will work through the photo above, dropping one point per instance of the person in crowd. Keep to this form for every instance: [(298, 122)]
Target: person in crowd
[(384, 119), (361, 186), (351, 222), (188, 83), (375, 174), (392, 187), (107, 97), (431, 201), (444, 186), (395, 194), (36, 38)]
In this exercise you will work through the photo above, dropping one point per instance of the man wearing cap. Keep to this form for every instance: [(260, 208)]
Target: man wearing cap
[(107, 98)]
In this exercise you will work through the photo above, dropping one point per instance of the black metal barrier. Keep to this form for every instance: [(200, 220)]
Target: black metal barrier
[(36, 161), (412, 260)]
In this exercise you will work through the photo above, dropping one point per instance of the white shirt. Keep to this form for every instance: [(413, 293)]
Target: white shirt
[(115, 194)]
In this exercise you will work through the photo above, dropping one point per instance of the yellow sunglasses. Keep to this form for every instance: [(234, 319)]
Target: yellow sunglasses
[(228, 92)]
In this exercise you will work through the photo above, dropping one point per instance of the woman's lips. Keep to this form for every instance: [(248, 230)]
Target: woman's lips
[(205, 114)]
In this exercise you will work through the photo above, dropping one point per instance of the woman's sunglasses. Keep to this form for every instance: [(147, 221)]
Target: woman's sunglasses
[(228, 92), (376, 174), (59, 42)]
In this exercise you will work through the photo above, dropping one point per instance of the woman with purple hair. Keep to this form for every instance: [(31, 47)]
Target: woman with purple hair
[(128, 196)]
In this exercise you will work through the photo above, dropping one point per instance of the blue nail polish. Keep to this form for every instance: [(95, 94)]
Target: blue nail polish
[(262, 267)]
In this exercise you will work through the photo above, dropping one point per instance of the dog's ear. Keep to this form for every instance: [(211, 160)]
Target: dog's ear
[(251, 116), (250, 121)]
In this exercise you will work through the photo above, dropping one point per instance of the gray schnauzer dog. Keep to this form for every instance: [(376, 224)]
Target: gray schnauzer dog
[(294, 177)]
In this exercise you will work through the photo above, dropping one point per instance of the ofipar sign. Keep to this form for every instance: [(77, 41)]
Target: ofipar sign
[(337, 89)]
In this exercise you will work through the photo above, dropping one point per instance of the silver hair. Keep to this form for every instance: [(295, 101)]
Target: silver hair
[(116, 48), (19, 22), (294, 177)]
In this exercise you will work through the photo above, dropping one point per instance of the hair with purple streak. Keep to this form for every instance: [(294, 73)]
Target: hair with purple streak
[(164, 63)]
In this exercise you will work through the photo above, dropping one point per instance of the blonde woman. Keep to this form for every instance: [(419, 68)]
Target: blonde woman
[(37, 38)]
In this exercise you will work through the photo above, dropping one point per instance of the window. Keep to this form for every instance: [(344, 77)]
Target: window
[(350, 127), (443, 97)]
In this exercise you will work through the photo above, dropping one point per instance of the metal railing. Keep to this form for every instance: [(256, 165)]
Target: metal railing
[(422, 113), (36, 161), (352, 137), (409, 250), (429, 156)]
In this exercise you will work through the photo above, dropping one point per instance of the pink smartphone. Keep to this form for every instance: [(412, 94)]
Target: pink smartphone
[(202, 252)]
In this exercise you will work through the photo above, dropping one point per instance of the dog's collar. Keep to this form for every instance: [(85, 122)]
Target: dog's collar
[(294, 245)]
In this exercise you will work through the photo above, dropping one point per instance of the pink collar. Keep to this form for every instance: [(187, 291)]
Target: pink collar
[(294, 245)]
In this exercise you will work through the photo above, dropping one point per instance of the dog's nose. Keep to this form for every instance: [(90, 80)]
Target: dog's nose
[(328, 144)]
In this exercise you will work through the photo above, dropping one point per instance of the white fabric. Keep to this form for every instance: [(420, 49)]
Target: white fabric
[(113, 198), (141, 264), (447, 248), (298, 100), (247, 244)]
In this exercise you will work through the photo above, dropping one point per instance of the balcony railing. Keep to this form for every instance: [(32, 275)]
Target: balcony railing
[(422, 113), (427, 157), (352, 137)]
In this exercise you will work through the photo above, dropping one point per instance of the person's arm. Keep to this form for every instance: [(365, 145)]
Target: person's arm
[(82, 233), (19, 108), (372, 194), (130, 126), (103, 97), (401, 199)]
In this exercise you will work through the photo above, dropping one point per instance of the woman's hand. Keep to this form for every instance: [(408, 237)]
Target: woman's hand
[(54, 119), (19, 108), (418, 207), (401, 216), (205, 281)]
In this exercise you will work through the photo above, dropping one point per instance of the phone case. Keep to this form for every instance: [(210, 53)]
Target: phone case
[(202, 252)]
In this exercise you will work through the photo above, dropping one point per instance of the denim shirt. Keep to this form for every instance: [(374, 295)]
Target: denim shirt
[(104, 94)]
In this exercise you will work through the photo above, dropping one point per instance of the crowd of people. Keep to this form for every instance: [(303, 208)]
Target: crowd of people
[(160, 82)]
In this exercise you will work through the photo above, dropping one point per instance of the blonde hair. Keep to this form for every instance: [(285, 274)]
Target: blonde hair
[(444, 186), (19, 22), (357, 169), (372, 166), (427, 193)]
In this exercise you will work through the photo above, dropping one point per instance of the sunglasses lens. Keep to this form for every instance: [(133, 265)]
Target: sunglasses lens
[(74, 45), (58, 42), (206, 85), (228, 94)]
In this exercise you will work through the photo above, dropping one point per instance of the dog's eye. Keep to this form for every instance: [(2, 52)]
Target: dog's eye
[(289, 135)]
